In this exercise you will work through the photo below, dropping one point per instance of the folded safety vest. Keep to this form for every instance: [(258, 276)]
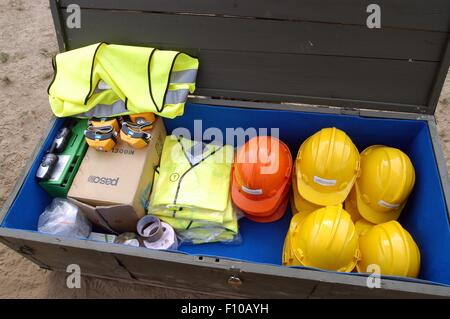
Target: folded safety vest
[(193, 175), (229, 220), (191, 191), (201, 217), (104, 80)]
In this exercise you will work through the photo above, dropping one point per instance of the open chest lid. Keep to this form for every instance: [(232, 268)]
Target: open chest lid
[(300, 51)]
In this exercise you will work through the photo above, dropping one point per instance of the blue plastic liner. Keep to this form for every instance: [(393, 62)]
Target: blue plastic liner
[(425, 215)]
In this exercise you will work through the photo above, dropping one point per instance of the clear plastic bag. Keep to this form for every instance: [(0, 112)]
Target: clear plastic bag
[(196, 236), (63, 218), (201, 232)]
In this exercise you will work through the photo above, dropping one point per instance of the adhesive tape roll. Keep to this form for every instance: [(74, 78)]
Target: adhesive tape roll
[(149, 228), (167, 241)]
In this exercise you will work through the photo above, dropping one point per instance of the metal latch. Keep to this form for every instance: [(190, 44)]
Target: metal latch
[(234, 280)]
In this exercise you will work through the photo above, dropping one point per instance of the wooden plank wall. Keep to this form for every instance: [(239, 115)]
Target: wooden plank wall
[(307, 51), (170, 274)]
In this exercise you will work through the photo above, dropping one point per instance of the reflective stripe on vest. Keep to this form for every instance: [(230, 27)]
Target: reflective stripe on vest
[(116, 79)]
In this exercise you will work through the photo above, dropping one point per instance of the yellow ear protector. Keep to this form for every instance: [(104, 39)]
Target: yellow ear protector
[(102, 138), (146, 119), (135, 131), (104, 121), (102, 133), (135, 135)]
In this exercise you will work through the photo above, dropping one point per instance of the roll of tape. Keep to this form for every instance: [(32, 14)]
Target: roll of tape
[(129, 239), (167, 241), (150, 228)]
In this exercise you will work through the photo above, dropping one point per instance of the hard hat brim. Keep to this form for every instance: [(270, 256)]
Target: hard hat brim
[(300, 204), (350, 206), (295, 212), (322, 199), (348, 268), (263, 207), (373, 216), (277, 215), (288, 256)]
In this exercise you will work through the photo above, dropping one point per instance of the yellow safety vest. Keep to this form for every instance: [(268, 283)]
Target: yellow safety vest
[(183, 219), (229, 220), (214, 226), (108, 80), (193, 175)]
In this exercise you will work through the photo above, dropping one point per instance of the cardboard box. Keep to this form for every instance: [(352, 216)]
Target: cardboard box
[(113, 188)]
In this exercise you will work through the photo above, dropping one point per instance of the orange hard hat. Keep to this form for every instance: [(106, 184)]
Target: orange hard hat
[(279, 212), (261, 176)]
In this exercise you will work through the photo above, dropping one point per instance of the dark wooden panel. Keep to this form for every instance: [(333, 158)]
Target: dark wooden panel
[(440, 77), (58, 257), (410, 14), (205, 278), (328, 63), (183, 31), (254, 285), (278, 75), (59, 29), (214, 280), (239, 68)]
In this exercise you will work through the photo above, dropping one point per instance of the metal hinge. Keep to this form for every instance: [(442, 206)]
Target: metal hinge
[(25, 250)]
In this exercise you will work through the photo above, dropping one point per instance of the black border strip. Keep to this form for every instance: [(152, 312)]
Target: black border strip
[(92, 71), (55, 70), (168, 79), (150, 81)]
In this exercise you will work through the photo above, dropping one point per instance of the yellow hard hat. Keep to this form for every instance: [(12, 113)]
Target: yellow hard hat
[(387, 178), (326, 239), (327, 165), (363, 226), (392, 248), (301, 205), (288, 255), (299, 215), (351, 207)]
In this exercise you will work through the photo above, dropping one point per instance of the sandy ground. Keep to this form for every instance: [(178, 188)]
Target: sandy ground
[(27, 43)]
